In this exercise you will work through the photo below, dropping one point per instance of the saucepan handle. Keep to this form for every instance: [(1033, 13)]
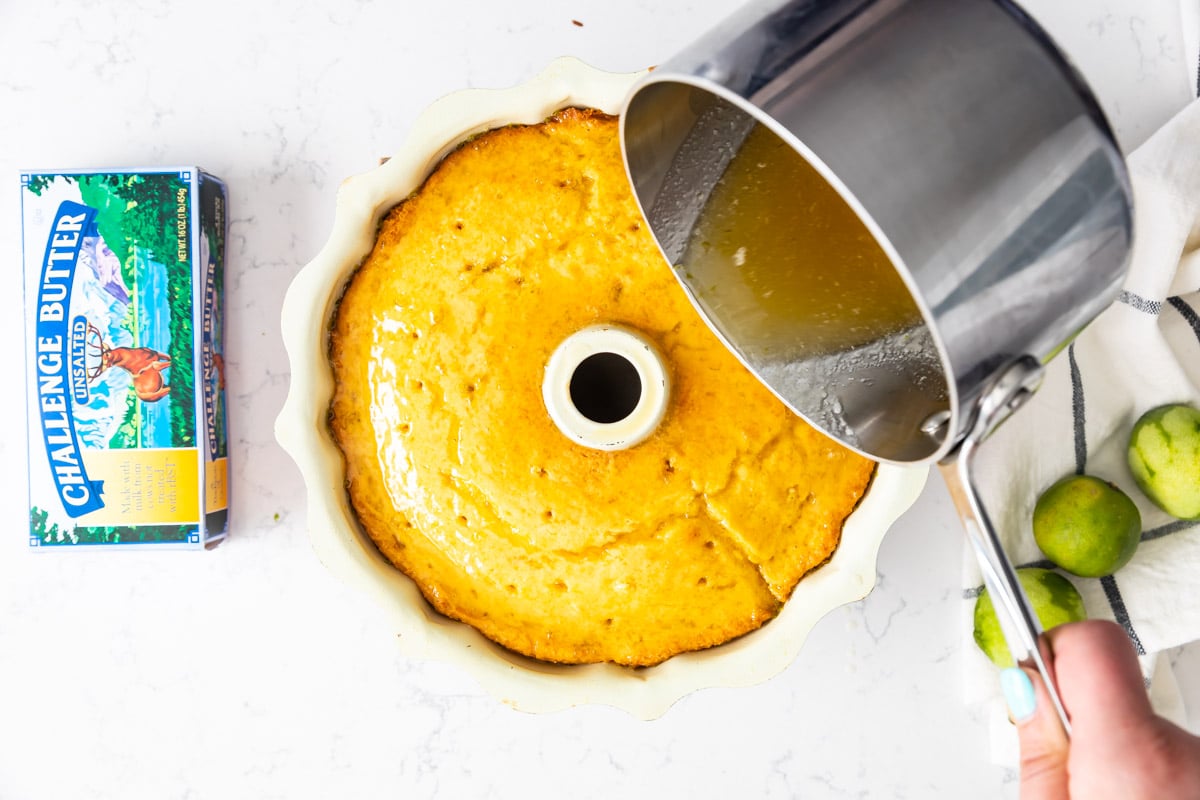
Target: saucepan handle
[(1020, 624), (1022, 631)]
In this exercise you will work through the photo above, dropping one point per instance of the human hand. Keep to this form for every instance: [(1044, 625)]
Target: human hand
[(1118, 748)]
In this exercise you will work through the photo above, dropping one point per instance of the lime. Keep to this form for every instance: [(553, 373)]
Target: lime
[(1164, 456), (1055, 601), (1087, 526)]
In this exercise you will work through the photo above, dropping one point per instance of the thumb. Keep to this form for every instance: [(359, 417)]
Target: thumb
[(1043, 741)]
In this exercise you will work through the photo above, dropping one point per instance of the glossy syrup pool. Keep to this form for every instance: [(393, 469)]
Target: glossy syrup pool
[(794, 279), (777, 250)]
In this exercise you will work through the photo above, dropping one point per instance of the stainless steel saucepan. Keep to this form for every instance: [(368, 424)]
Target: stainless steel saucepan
[(787, 155)]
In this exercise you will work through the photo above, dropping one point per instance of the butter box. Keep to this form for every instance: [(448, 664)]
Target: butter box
[(124, 279)]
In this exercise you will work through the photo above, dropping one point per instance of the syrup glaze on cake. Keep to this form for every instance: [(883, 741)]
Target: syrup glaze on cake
[(521, 237)]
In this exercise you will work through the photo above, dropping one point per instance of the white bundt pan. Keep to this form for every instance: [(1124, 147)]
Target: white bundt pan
[(302, 430)]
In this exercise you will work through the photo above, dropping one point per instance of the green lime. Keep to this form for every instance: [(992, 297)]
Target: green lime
[(1054, 599), (1164, 456), (1087, 526)]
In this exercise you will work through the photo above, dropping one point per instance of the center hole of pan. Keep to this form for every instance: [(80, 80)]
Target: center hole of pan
[(606, 387)]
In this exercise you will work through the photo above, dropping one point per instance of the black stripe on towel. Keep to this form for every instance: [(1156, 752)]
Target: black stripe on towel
[(1120, 614), (1077, 413), (1188, 313), (1140, 303), (1169, 528), (1111, 592)]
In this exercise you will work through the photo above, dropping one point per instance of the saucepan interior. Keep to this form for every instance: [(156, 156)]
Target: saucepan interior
[(881, 206)]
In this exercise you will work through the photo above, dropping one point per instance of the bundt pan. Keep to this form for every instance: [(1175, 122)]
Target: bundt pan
[(347, 551)]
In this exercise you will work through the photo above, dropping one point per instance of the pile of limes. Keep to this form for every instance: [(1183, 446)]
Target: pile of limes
[(1090, 528)]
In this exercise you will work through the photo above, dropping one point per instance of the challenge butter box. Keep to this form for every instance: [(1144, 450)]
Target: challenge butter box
[(124, 278)]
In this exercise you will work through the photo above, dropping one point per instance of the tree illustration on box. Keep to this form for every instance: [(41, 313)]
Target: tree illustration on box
[(151, 221), (49, 533), (142, 211), (38, 183), (128, 534)]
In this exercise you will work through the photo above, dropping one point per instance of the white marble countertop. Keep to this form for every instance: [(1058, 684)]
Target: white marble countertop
[(249, 671)]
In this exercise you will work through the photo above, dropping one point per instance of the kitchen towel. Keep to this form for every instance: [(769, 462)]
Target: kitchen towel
[(1142, 352)]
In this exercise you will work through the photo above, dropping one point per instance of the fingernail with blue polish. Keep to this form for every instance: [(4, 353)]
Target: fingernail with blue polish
[(1018, 693)]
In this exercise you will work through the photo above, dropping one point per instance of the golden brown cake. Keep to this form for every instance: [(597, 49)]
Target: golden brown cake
[(521, 237)]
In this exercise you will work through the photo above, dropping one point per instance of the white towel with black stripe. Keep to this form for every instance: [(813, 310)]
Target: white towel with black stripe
[(1142, 352)]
